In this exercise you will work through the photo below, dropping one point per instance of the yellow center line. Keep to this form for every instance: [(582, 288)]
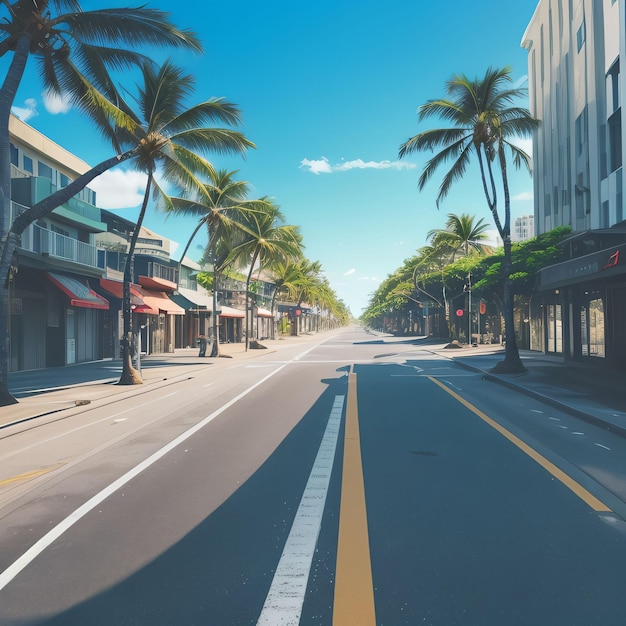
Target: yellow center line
[(354, 589), (29, 475), (568, 481)]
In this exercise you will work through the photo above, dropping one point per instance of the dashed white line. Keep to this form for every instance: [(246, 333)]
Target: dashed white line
[(285, 598), (602, 446)]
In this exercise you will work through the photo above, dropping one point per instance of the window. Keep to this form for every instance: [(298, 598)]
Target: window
[(592, 329), (28, 164), (15, 155), (44, 170), (64, 180), (615, 140), (580, 36), (555, 329)]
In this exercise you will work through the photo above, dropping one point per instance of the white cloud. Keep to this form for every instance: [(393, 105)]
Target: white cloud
[(27, 111), (323, 165), (350, 272), (119, 189), (525, 144), (525, 195), (319, 166), (55, 104)]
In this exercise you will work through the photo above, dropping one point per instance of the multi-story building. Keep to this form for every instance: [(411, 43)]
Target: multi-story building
[(55, 317), (576, 90), (65, 300), (523, 228)]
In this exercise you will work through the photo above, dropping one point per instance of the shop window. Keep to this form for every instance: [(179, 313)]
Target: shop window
[(592, 329), (555, 329)]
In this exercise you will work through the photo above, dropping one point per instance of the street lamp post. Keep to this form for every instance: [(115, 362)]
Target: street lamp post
[(469, 308)]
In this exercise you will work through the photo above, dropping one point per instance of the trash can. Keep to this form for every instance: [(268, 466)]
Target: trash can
[(201, 341)]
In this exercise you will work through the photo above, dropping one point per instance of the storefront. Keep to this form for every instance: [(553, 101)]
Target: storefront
[(582, 304)]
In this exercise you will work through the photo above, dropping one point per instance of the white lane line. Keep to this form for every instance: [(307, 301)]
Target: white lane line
[(285, 598), (52, 535), (536, 411), (601, 446)]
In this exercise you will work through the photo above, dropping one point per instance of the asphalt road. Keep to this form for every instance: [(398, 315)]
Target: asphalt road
[(339, 483)]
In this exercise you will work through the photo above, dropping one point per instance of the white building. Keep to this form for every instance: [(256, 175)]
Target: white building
[(576, 89), (523, 228)]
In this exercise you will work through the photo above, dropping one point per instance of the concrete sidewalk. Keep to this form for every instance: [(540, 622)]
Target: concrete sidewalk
[(590, 392), (70, 388)]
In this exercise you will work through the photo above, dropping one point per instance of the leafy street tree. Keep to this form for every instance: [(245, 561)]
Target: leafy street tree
[(221, 205), (167, 138), (266, 239), (76, 49), (484, 119), (461, 235), (302, 281)]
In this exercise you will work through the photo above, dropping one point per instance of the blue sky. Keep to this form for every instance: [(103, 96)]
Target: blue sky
[(328, 92)]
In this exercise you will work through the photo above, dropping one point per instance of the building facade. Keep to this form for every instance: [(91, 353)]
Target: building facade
[(65, 300), (576, 89)]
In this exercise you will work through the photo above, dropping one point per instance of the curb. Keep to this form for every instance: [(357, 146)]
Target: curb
[(566, 408)]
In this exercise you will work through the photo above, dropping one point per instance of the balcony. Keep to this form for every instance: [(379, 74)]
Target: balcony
[(43, 241), (30, 191)]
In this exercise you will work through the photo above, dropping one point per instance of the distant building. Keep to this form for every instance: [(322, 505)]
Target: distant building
[(524, 228)]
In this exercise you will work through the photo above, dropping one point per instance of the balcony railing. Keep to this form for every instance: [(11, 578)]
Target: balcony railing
[(44, 241)]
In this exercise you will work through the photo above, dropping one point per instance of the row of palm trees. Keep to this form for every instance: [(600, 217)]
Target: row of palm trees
[(463, 237), (154, 130), (484, 120)]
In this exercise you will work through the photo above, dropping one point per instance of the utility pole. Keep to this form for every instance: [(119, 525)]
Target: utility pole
[(469, 308)]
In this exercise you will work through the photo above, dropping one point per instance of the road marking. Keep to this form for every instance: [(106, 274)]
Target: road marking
[(568, 481), (602, 446), (285, 598), (29, 475), (62, 527), (354, 589)]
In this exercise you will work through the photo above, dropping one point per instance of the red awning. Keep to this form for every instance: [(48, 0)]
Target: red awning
[(158, 300), (78, 291), (137, 302), (157, 284)]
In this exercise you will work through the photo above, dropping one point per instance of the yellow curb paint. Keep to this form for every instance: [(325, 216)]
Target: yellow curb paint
[(354, 589), (29, 475), (568, 481)]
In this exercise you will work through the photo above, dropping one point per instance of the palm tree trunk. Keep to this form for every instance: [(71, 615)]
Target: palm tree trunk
[(512, 363), (248, 279), (7, 97), (130, 376), (215, 348)]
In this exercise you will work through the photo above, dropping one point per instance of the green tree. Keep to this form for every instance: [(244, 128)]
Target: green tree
[(266, 239), (221, 206), (484, 119), (462, 233), (76, 49), (167, 137)]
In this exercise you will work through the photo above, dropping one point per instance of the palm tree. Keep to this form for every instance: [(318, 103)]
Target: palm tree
[(76, 49), (285, 276), (266, 239), (221, 205), (462, 234), (484, 120), (167, 137)]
